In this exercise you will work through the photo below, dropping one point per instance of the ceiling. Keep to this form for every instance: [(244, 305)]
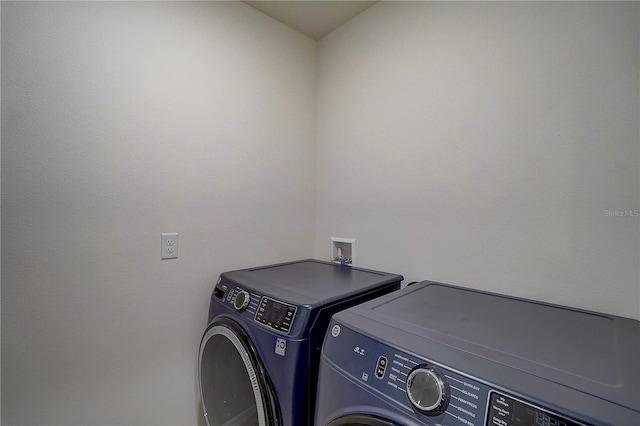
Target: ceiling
[(313, 18)]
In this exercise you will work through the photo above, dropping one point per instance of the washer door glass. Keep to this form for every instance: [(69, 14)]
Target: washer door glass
[(361, 420), (234, 387)]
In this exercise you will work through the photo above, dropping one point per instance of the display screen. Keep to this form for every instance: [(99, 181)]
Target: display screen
[(275, 314), (505, 411)]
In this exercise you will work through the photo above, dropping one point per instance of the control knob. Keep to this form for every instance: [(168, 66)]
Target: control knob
[(241, 301), (428, 390)]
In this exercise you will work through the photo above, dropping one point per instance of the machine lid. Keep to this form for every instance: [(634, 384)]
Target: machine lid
[(311, 282), (591, 352)]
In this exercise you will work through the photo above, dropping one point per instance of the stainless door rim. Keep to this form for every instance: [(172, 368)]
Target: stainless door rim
[(263, 393)]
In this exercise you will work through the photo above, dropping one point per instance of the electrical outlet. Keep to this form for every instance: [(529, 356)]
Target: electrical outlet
[(169, 246)]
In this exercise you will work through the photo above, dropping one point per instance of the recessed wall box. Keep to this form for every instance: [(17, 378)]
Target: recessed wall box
[(343, 250)]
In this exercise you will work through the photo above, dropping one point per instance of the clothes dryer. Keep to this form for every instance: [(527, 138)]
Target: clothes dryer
[(259, 356), (434, 354)]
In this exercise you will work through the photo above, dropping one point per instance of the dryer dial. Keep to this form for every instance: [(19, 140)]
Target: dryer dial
[(241, 301), (428, 390)]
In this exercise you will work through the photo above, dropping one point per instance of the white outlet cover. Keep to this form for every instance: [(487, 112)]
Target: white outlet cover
[(169, 246)]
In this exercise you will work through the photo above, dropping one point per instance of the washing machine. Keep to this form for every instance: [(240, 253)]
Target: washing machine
[(435, 354), (259, 355)]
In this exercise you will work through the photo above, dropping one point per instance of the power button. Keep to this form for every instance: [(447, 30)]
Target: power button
[(381, 367)]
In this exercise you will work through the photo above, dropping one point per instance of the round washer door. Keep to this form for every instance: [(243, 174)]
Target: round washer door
[(234, 386), (361, 420)]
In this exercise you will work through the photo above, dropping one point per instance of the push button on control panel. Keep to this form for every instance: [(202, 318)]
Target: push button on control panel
[(381, 367)]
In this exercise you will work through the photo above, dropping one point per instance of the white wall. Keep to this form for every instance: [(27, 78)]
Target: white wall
[(477, 144), (482, 144), (121, 121)]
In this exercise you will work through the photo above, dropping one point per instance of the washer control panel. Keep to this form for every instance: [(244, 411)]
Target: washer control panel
[(241, 300), (275, 314), (268, 311)]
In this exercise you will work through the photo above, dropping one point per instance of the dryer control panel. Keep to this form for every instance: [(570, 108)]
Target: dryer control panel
[(429, 391)]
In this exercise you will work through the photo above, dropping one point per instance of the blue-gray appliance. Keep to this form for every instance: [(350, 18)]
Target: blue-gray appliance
[(259, 356), (435, 354)]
